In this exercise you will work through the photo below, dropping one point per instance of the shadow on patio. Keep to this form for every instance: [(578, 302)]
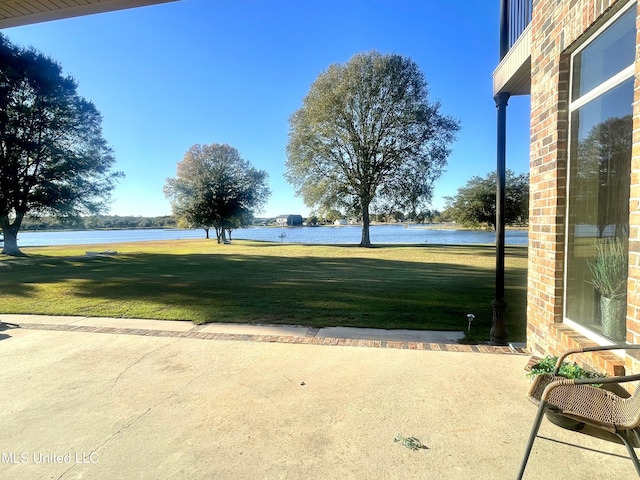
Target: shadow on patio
[(171, 407)]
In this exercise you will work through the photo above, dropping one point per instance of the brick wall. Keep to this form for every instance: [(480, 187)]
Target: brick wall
[(557, 27)]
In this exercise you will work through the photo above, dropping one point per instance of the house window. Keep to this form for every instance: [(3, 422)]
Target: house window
[(600, 126)]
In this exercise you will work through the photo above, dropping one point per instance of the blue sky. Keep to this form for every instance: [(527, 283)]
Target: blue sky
[(190, 72)]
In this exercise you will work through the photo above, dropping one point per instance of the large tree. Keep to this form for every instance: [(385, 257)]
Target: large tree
[(367, 133), (216, 188), (475, 204), (53, 158)]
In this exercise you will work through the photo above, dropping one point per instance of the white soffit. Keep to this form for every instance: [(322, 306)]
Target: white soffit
[(14, 13), (513, 75)]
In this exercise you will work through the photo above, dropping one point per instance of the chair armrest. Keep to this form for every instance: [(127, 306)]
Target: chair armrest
[(621, 346), (603, 380)]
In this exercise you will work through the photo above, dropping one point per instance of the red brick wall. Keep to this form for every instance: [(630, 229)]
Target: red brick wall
[(557, 28)]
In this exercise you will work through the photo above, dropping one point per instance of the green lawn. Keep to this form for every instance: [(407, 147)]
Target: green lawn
[(415, 287)]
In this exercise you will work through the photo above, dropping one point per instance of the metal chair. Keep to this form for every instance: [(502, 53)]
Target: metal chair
[(579, 400)]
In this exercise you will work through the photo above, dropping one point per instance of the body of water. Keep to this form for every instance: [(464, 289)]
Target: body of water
[(380, 234)]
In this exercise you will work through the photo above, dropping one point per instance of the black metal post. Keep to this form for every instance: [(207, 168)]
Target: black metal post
[(499, 324)]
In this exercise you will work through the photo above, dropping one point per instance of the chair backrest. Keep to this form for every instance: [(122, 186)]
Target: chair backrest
[(629, 411), (610, 407)]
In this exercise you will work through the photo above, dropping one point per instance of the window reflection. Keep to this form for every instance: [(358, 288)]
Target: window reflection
[(599, 183)]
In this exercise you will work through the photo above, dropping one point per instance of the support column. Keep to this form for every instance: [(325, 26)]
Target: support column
[(499, 324)]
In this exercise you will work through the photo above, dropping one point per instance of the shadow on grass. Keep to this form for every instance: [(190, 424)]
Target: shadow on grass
[(516, 251), (306, 290)]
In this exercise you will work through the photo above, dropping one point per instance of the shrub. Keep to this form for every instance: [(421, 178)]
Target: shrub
[(568, 369)]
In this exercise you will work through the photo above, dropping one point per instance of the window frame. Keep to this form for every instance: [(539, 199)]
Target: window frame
[(573, 105)]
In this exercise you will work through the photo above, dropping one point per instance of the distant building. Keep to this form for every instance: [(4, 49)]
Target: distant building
[(341, 221), (289, 220)]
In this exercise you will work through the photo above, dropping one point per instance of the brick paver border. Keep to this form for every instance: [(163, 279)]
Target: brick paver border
[(195, 333)]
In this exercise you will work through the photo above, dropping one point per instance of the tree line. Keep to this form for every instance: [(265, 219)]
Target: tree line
[(367, 143), (474, 205), (97, 222)]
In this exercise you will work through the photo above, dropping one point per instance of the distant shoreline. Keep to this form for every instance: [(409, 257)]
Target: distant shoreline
[(380, 234), (426, 226)]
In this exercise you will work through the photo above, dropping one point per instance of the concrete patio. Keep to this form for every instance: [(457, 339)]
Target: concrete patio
[(137, 399)]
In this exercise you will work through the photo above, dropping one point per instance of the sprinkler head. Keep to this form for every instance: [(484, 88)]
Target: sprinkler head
[(470, 317)]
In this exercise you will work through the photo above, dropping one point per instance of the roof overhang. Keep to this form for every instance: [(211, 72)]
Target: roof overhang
[(14, 13), (513, 75)]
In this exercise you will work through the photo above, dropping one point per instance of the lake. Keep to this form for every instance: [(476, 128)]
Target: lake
[(348, 234)]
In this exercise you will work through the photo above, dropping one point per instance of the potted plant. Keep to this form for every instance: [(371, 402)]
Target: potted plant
[(609, 273), (567, 370), (547, 365)]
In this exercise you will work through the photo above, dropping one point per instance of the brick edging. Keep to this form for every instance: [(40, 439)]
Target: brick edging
[(195, 333)]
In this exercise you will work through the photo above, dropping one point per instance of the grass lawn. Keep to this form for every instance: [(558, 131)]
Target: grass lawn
[(392, 286)]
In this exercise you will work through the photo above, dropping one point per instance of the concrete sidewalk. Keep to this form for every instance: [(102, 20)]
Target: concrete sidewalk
[(343, 336), (104, 401)]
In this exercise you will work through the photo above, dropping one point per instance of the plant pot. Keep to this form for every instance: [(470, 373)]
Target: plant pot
[(613, 313), (564, 422)]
